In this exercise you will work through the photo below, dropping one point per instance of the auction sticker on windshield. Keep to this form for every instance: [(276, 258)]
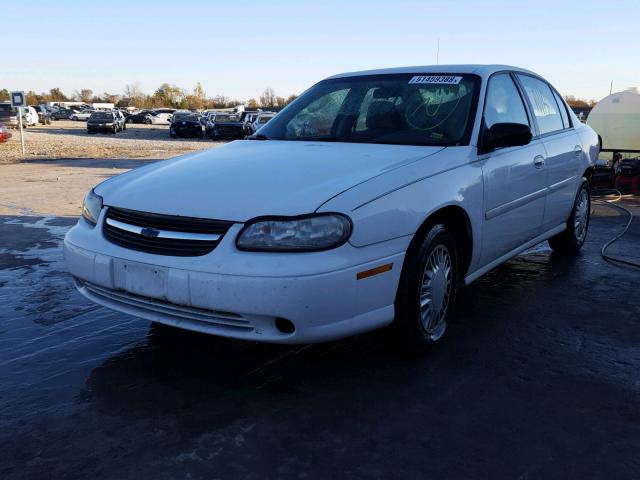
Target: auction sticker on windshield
[(436, 79)]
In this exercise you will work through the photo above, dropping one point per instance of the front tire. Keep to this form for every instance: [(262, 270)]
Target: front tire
[(572, 239), (427, 289)]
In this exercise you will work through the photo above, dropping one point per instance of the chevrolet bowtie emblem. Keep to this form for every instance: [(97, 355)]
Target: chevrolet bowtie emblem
[(150, 232)]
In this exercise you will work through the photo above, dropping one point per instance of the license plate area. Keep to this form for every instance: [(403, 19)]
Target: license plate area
[(140, 278)]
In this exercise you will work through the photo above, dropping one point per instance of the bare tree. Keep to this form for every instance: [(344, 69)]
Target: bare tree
[(85, 95), (268, 98), (133, 91)]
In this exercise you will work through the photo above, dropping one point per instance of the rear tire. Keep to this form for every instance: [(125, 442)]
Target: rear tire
[(572, 239), (427, 290)]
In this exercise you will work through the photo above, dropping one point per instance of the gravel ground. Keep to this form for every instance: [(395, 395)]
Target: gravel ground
[(69, 139), (55, 187)]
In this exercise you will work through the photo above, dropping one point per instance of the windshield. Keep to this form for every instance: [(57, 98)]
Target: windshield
[(226, 119), (182, 116), (101, 116), (263, 120), (402, 109)]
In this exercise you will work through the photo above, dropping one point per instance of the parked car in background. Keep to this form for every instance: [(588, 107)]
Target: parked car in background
[(245, 113), (29, 116), (107, 122), (120, 119), (61, 114), (185, 124), (9, 115), (224, 126), (44, 115), (160, 118), (259, 121), (81, 116), (5, 134), (247, 121), (143, 116), (420, 180)]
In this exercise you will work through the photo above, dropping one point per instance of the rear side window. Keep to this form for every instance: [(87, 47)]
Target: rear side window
[(563, 110), (544, 105), (504, 104)]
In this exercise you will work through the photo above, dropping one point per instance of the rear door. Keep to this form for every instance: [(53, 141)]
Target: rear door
[(562, 145), (514, 177)]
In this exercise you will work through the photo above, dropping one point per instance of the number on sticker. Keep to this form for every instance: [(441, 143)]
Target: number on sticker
[(436, 79)]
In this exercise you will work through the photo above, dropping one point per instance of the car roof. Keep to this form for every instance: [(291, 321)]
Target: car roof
[(478, 69)]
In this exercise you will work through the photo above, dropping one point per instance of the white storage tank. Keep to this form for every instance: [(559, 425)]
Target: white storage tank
[(616, 118)]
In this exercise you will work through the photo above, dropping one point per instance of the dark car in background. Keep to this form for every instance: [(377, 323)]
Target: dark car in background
[(9, 115), (185, 124), (143, 116), (225, 126), (61, 114), (104, 122)]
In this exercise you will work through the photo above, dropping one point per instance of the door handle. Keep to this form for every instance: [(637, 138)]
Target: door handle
[(538, 162), (577, 150)]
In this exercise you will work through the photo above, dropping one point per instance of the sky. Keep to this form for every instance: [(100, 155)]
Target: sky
[(237, 49)]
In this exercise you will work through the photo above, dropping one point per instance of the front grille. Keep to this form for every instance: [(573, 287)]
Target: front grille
[(166, 310), (230, 130), (178, 236)]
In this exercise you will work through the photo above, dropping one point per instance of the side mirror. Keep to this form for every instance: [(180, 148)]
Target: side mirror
[(502, 135)]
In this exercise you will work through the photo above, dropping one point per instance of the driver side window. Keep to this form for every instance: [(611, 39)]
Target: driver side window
[(317, 118), (503, 104)]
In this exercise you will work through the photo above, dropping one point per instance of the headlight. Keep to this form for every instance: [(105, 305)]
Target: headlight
[(296, 234), (91, 207)]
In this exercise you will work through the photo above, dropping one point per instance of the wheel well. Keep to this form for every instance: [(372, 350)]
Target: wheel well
[(588, 173), (457, 220)]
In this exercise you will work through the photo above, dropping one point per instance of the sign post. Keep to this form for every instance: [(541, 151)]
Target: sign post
[(18, 100)]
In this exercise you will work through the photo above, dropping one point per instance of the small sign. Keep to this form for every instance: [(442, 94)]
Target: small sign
[(435, 80), (18, 100)]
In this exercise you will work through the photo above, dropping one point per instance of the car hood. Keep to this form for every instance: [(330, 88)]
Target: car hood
[(246, 179)]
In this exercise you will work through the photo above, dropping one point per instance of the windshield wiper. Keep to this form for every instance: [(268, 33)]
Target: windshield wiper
[(327, 138), (258, 136)]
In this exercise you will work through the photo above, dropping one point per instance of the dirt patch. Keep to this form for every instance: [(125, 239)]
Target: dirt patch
[(69, 139)]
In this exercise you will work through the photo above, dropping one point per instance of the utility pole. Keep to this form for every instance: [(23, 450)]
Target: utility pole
[(438, 52), (611, 88)]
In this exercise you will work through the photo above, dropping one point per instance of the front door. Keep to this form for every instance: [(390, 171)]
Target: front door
[(514, 177)]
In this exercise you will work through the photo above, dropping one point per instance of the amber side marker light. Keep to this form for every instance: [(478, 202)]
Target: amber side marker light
[(374, 271)]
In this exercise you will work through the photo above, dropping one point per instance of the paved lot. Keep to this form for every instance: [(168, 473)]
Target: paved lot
[(538, 378)]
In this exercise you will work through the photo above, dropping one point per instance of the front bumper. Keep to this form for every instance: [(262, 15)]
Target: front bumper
[(188, 131), (239, 294)]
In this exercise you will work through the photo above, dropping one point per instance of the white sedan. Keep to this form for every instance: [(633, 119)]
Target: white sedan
[(77, 116), (367, 202)]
